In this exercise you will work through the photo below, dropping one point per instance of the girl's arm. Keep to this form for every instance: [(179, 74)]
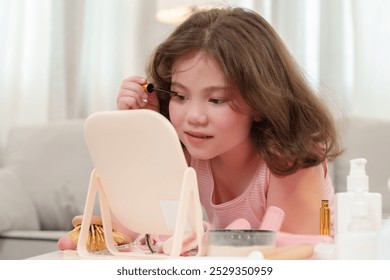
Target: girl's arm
[(299, 195)]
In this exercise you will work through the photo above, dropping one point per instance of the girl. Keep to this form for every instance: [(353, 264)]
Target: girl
[(251, 126)]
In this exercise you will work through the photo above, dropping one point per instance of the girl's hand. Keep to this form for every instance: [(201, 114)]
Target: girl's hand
[(133, 96)]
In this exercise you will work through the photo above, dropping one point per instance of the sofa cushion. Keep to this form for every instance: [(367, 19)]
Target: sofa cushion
[(366, 138), (53, 166), (17, 210)]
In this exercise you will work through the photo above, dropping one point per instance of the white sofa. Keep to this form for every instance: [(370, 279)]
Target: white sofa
[(44, 176), (45, 169)]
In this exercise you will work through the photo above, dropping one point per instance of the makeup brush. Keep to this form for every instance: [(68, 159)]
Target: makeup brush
[(96, 241)]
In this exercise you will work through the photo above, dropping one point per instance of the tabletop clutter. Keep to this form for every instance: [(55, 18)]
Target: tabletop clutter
[(359, 231)]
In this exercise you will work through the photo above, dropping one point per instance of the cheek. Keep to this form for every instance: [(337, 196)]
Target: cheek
[(233, 121), (175, 115), (241, 127)]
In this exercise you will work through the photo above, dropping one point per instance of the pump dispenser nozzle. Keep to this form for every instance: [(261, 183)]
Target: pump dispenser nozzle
[(357, 178)]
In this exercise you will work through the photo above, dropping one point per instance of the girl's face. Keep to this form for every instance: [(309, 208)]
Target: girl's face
[(201, 113)]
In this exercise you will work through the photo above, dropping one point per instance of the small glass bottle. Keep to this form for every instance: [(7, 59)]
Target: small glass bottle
[(325, 218)]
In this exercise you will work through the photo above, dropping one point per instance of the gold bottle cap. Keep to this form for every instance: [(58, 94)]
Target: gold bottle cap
[(148, 88)]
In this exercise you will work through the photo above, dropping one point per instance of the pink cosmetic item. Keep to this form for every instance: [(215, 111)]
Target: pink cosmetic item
[(273, 219)]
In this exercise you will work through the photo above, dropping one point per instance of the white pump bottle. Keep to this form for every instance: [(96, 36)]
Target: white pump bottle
[(357, 180), (360, 240)]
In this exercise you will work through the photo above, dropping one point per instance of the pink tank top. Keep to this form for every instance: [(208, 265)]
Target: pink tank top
[(250, 205)]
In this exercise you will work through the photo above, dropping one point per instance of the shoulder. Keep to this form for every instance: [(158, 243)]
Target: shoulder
[(303, 186), (315, 172), (304, 175)]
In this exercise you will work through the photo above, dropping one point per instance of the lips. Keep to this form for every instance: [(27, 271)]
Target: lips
[(197, 138), (198, 135)]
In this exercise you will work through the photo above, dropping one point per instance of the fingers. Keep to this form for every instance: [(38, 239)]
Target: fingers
[(131, 94), (66, 243)]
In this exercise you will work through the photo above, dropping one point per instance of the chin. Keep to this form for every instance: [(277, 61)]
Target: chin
[(201, 155)]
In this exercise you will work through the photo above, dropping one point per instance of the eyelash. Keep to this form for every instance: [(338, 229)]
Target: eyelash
[(212, 100), (217, 100), (179, 96)]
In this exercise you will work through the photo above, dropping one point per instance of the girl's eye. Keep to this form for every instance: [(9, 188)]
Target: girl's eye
[(217, 100), (179, 97)]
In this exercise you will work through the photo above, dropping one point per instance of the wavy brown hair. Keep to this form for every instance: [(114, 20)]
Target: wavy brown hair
[(294, 129)]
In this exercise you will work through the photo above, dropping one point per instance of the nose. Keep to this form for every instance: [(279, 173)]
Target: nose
[(197, 114)]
